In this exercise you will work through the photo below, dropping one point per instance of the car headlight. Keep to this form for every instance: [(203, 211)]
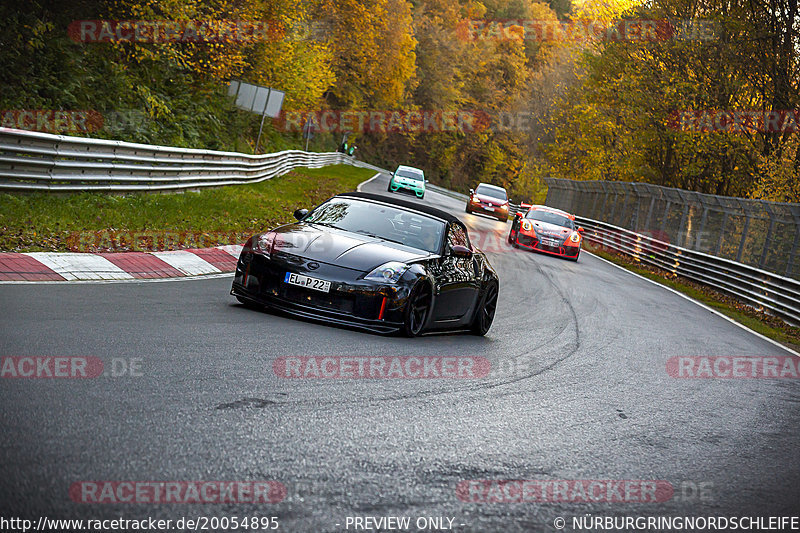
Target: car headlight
[(264, 243), (388, 272), (575, 237), (526, 225)]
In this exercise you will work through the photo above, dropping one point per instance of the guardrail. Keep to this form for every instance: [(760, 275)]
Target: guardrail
[(32, 161), (776, 294)]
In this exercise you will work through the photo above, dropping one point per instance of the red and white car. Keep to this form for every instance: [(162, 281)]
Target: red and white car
[(547, 230), (489, 200)]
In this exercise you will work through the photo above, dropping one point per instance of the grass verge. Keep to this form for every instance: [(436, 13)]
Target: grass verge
[(755, 319), (95, 222)]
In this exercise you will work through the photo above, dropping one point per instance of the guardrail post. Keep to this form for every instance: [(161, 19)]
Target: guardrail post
[(703, 220), (767, 240), (742, 241), (666, 215), (605, 199), (679, 238), (650, 211)]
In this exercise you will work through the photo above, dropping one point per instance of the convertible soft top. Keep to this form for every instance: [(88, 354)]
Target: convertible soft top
[(414, 206)]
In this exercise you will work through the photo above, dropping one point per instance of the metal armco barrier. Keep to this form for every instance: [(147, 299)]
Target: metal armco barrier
[(762, 234), (776, 294), (31, 161)]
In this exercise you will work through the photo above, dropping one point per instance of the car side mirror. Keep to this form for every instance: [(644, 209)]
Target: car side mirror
[(426, 181), (518, 214), (300, 214), (580, 229), (460, 251), (471, 192)]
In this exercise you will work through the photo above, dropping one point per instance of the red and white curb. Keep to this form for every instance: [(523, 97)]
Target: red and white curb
[(121, 266), (54, 266)]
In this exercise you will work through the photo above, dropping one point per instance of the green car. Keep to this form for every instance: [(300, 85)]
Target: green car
[(408, 179)]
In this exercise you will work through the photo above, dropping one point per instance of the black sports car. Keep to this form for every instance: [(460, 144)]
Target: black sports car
[(373, 262)]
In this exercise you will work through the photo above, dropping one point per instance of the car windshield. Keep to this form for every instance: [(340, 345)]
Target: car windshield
[(382, 221), (500, 194), (550, 218), (410, 174)]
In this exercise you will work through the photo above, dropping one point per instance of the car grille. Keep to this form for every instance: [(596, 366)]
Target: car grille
[(331, 300)]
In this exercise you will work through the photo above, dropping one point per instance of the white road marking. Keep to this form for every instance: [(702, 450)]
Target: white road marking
[(365, 182), (80, 266), (233, 249), (187, 262), (133, 280)]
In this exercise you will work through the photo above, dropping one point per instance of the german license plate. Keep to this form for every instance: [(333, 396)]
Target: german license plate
[(549, 242), (489, 208), (307, 282)]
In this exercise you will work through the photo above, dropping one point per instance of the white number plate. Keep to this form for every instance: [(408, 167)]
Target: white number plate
[(489, 208), (549, 242), (308, 283)]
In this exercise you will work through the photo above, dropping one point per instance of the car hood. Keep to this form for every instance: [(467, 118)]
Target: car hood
[(550, 230), (341, 248), (408, 181), (491, 199)]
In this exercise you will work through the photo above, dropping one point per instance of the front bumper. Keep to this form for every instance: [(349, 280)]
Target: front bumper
[(497, 212), (418, 191), (531, 242), (351, 302)]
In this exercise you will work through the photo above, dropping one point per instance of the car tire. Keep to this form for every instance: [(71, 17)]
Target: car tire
[(417, 310), (423, 196), (389, 188), (575, 259), (467, 210), (510, 238), (484, 314)]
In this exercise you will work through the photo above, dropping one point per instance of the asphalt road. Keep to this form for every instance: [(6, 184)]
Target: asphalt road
[(578, 391)]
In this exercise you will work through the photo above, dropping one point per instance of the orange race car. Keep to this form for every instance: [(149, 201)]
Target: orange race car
[(548, 230)]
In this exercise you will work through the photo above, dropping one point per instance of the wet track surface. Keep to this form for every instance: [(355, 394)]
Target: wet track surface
[(578, 391)]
